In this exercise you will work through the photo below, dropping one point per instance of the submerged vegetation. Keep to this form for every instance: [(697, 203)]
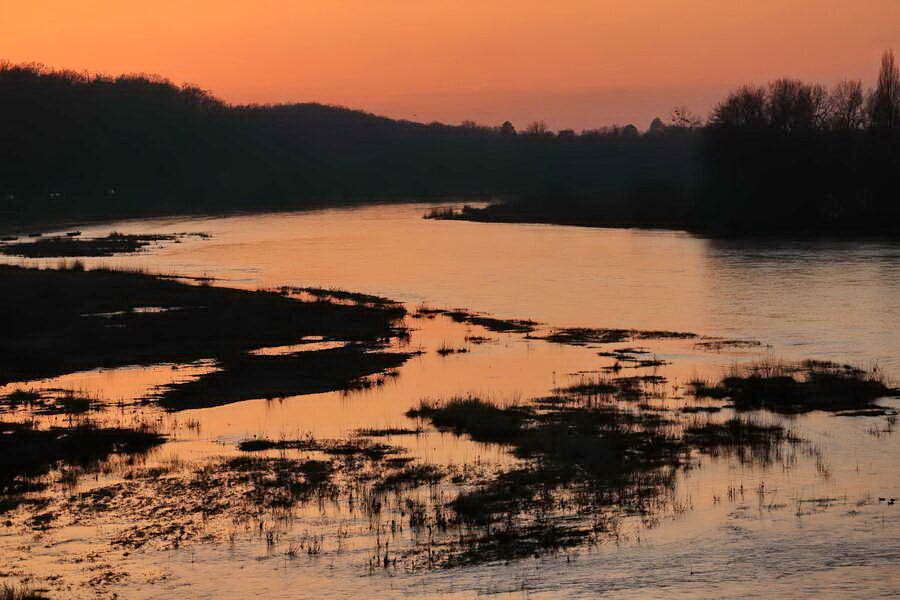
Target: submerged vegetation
[(586, 465), (582, 336), (27, 453)]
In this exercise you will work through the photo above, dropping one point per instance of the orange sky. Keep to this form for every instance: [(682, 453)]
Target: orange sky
[(574, 63)]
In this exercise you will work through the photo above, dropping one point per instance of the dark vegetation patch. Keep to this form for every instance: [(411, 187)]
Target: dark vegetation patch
[(723, 345), (582, 459), (736, 432), (744, 439), (638, 204), (635, 388), (490, 323), (701, 409), (798, 387), (11, 592), (250, 376), (173, 509), (27, 453), (46, 332), (352, 447), (445, 350), (702, 388), (631, 358), (867, 412), (110, 245), (582, 336), (332, 295), (173, 506), (483, 421), (389, 431), (50, 402), (586, 465), (412, 476)]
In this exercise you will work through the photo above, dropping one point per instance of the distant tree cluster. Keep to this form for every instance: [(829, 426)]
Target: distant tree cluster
[(797, 156)]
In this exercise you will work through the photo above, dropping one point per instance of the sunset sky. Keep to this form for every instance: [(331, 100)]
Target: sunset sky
[(573, 63)]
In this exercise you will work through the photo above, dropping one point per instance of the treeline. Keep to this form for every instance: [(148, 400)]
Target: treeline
[(75, 146), (786, 157)]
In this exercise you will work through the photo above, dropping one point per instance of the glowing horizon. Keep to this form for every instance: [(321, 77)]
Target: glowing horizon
[(577, 63)]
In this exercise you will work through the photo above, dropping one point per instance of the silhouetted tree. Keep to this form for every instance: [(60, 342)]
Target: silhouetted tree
[(683, 118), (792, 105), (538, 128), (884, 103), (507, 128), (744, 108), (846, 104)]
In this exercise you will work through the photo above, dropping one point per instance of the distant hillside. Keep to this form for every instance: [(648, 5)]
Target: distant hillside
[(77, 146)]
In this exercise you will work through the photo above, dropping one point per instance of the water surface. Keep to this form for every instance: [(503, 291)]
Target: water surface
[(803, 526)]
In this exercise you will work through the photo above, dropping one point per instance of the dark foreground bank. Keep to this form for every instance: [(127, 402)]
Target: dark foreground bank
[(58, 321)]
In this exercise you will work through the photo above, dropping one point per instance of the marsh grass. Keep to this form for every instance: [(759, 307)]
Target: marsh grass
[(20, 397), (583, 336), (344, 296), (350, 447), (736, 432), (51, 402), (482, 420), (579, 458), (27, 453), (461, 315), (412, 476), (789, 387), (68, 246), (724, 345), (11, 592), (388, 432), (445, 349)]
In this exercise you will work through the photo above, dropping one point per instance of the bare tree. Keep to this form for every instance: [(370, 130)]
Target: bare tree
[(792, 105), (846, 104), (683, 118), (537, 128)]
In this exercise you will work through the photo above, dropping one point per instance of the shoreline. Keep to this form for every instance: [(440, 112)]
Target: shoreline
[(510, 214), (48, 223)]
